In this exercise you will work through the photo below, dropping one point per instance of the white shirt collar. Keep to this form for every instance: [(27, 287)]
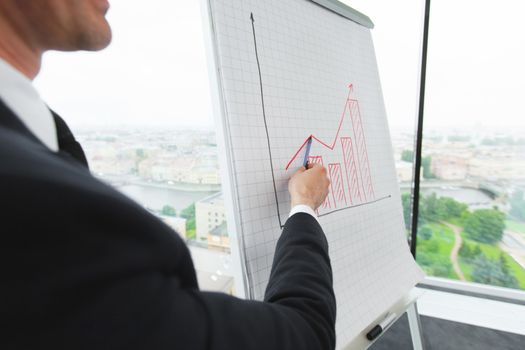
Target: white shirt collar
[(18, 93)]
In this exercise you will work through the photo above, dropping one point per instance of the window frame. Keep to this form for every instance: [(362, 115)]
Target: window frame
[(484, 291)]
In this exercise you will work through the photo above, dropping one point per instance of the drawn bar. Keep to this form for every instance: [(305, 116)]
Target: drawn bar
[(351, 171), (338, 190), (361, 150), (327, 204)]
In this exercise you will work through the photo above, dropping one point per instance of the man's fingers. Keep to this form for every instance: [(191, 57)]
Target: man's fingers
[(310, 186), (298, 171), (318, 168)]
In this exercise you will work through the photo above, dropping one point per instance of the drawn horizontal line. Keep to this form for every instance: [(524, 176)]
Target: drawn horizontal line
[(324, 143), (356, 205)]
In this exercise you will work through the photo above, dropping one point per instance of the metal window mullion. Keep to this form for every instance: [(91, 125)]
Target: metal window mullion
[(419, 132)]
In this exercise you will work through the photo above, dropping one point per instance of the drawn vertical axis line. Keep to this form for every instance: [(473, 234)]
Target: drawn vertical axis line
[(264, 118)]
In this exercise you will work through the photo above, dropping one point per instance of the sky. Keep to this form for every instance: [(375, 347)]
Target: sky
[(475, 70), (155, 71)]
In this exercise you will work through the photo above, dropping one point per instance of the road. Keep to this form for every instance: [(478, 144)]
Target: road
[(455, 250)]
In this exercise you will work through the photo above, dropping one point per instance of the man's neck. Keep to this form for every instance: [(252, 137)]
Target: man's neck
[(18, 52)]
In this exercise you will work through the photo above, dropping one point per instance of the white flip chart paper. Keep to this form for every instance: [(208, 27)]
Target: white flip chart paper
[(290, 71)]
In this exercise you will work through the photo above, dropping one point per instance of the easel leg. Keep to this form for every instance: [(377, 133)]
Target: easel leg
[(415, 327)]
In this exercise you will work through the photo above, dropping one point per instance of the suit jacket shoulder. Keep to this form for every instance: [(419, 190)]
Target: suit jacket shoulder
[(84, 267)]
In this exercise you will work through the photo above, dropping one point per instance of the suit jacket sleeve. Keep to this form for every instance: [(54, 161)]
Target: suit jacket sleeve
[(299, 308)]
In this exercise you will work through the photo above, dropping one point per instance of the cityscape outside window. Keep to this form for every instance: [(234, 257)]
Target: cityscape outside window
[(397, 40), (471, 224), (142, 111)]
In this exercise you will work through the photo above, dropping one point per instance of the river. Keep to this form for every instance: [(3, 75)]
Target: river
[(156, 197), (475, 199)]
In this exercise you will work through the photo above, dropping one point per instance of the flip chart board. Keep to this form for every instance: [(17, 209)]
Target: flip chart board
[(290, 71)]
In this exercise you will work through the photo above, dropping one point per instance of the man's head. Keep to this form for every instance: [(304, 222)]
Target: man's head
[(41, 25)]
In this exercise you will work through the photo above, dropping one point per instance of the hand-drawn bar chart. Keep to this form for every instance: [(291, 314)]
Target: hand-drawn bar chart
[(345, 156), (298, 83), (351, 178)]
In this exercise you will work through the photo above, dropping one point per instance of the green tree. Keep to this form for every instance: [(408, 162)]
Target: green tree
[(191, 234), (434, 264), (407, 155), (503, 263), (431, 208), (464, 217), (485, 225), (435, 209), (407, 209), (452, 208), (189, 214), (442, 270), (422, 217), (423, 259), (433, 246), (492, 272), (465, 251), (477, 251), (168, 210), (425, 163), (425, 233)]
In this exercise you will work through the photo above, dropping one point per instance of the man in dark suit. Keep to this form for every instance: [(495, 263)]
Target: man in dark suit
[(84, 267)]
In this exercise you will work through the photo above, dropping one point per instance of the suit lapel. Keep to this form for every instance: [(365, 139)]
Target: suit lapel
[(67, 142), (70, 150)]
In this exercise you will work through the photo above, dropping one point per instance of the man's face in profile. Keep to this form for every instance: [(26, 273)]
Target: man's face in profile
[(65, 25)]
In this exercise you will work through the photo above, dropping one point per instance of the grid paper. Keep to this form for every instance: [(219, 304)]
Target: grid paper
[(299, 71)]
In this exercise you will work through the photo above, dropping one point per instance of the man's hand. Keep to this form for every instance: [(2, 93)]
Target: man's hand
[(309, 186)]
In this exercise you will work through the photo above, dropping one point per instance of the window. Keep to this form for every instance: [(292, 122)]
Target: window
[(474, 137), (142, 111), (472, 210), (397, 40)]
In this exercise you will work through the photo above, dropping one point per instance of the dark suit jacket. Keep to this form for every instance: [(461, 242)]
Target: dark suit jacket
[(84, 267), (67, 142)]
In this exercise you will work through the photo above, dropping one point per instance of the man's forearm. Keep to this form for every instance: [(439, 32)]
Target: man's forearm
[(301, 276)]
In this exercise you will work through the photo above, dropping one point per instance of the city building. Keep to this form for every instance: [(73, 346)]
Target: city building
[(497, 167), (218, 237), (449, 167), (210, 221), (214, 269), (404, 171)]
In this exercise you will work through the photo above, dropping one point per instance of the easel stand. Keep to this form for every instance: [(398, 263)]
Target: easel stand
[(406, 304), (415, 327)]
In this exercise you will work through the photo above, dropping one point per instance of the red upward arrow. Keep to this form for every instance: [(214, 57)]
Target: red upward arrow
[(324, 144)]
